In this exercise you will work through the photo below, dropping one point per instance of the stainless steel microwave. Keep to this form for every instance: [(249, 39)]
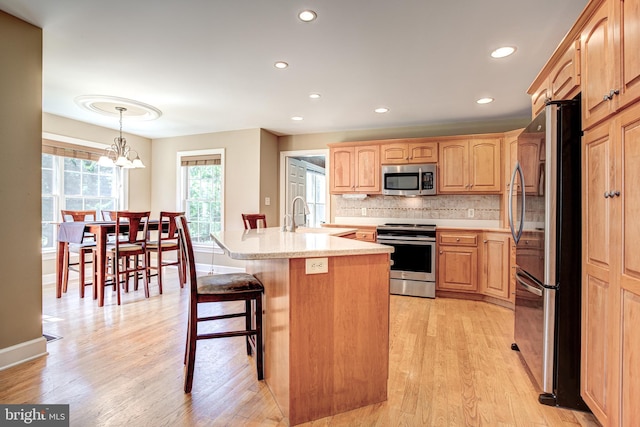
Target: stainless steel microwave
[(409, 180)]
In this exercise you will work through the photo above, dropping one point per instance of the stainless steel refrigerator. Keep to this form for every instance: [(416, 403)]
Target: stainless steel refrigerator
[(545, 220)]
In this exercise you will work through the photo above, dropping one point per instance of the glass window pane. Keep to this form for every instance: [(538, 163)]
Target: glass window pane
[(71, 164), (47, 209), (47, 161), (90, 185), (72, 183), (47, 181), (203, 204)]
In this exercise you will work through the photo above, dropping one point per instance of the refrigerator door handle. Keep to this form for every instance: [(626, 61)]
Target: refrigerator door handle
[(528, 287), (516, 236)]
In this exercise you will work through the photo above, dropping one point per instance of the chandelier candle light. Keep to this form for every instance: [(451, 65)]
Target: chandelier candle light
[(118, 153)]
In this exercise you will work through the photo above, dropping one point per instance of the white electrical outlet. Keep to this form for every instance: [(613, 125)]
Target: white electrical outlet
[(364, 211), (470, 213), (316, 265), (267, 201)]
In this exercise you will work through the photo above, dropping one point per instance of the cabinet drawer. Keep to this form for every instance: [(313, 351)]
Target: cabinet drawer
[(459, 239), (366, 235)]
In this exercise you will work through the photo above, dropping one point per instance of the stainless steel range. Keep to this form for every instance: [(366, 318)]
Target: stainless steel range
[(413, 269)]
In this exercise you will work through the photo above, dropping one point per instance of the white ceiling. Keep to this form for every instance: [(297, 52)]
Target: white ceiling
[(208, 64)]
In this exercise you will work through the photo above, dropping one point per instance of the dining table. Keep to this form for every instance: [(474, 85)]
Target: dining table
[(74, 232)]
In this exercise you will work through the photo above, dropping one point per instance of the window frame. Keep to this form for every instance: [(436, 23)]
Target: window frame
[(58, 181), (181, 190)]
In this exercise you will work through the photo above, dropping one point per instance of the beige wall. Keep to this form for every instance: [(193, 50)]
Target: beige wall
[(242, 164), (20, 176), (269, 178)]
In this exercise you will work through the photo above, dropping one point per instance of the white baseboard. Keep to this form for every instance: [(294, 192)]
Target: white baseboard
[(22, 352)]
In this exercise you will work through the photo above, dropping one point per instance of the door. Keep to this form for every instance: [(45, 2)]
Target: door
[(598, 296), (626, 195), (527, 217), (296, 186), (530, 327)]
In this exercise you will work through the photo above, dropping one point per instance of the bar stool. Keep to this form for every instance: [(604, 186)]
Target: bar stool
[(219, 288), (167, 241), (251, 220), (82, 249)]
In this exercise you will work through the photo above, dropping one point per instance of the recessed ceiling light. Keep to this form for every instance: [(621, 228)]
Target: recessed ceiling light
[(501, 52), (314, 95), (484, 100), (281, 65), (296, 118), (381, 110), (307, 15)]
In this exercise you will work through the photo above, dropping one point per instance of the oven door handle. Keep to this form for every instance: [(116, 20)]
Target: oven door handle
[(406, 242)]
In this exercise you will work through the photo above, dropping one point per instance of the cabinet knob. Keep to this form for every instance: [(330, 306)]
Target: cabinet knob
[(484, 241), (616, 193), (457, 239), (440, 252), (606, 194)]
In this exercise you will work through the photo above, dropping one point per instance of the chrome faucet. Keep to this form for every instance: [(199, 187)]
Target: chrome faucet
[(293, 212)]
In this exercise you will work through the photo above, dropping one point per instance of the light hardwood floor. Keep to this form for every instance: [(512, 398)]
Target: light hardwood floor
[(450, 364)]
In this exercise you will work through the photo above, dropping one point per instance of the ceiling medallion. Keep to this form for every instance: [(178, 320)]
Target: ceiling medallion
[(109, 106)]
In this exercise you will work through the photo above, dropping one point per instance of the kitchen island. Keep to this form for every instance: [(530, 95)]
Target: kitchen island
[(325, 319)]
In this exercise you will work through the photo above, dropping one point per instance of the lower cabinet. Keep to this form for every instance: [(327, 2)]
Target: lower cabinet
[(457, 261), (478, 264), (495, 268)]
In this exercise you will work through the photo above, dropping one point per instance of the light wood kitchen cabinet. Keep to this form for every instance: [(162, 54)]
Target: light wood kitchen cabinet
[(470, 166), (562, 82), (494, 272), (355, 169), (402, 152), (610, 61), (531, 160), (457, 261), (611, 269)]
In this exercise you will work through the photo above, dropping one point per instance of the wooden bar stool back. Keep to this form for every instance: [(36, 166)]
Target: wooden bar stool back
[(131, 245), (167, 241), (81, 249), (251, 220), (219, 288)]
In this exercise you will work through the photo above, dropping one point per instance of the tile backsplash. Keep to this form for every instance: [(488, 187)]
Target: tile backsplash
[(485, 207)]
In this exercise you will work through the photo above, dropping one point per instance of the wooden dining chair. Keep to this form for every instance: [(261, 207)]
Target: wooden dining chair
[(128, 254), (251, 220), (82, 249), (218, 288), (167, 241)]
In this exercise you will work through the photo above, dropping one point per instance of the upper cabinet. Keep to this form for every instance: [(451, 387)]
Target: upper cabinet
[(355, 169), (610, 61), (405, 151), (470, 165), (562, 81)]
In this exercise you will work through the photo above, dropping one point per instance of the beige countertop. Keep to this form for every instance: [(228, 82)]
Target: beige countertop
[(272, 243)]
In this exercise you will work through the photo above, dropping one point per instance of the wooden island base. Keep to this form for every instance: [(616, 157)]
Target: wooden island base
[(326, 336)]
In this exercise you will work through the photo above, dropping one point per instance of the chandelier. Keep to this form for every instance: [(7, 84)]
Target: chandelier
[(118, 153)]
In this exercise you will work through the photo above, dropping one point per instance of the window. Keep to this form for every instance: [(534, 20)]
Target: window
[(72, 179), (316, 195), (202, 175)]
